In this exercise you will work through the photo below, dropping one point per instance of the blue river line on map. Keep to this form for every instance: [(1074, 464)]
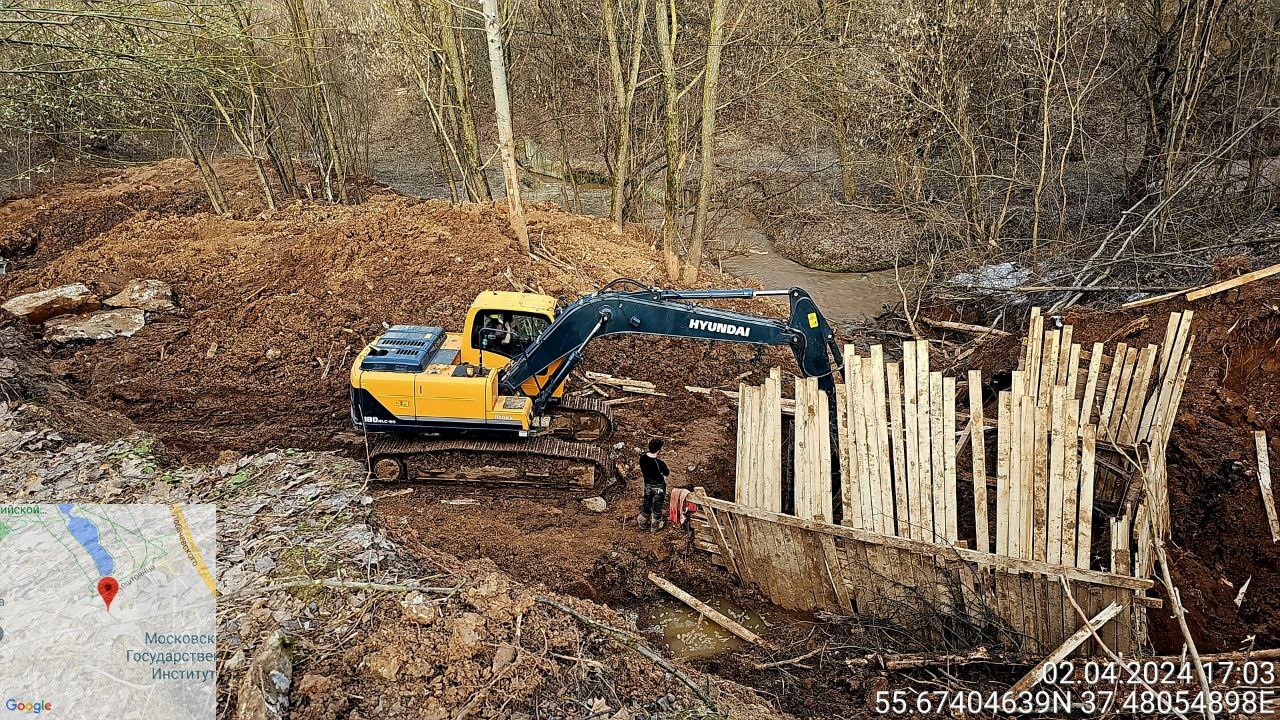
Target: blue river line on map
[(86, 533)]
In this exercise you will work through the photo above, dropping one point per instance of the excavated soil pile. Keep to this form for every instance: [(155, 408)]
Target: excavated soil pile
[(274, 308), (1220, 530)]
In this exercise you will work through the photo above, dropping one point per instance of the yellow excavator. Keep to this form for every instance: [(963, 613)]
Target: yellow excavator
[(488, 405)]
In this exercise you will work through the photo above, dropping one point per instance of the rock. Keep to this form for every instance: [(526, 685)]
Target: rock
[(505, 655), (595, 504), (264, 689), (39, 306), (96, 326), (384, 664), (273, 353), (154, 295), (8, 368), (418, 609)]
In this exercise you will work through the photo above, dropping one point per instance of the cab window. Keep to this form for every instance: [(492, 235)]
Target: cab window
[(505, 332)]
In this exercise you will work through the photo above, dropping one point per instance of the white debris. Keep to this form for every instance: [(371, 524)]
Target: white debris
[(96, 326), (155, 295), (39, 306)]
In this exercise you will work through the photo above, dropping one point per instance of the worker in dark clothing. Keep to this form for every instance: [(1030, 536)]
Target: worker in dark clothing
[(655, 474)]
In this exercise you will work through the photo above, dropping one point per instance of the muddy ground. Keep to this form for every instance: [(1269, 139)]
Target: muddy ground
[(275, 303)]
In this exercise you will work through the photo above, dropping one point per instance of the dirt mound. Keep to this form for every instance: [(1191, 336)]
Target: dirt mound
[(37, 226), (1220, 532), (274, 308)]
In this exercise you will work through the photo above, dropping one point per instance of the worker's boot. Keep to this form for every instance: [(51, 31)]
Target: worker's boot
[(659, 522), (642, 521)]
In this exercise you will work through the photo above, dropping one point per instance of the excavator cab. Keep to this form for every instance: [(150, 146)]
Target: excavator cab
[(417, 378)]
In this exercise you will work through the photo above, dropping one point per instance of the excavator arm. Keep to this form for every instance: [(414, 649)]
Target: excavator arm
[(668, 313)]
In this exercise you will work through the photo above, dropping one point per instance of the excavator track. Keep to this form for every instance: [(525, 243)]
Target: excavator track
[(538, 462), (585, 419)]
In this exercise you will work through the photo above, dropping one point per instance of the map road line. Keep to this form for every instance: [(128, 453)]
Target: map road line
[(193, 552)]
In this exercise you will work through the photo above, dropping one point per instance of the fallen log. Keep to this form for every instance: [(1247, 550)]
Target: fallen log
[(915, 661), (979, 330)]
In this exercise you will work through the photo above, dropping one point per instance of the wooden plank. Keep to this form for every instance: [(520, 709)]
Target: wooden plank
[(1084, 531), (936, 452), (882, 520), (842, 437), (1027, 477), (823, 428), (1127, 372), (1172, 353), (741, 483), (949, 499), (1035, 340), (857, 439), (1064, 358), (1164, 427), (901, 488), (1049, 364), (1264, 483), (924, 443), (910, 394), (1068, 646), (1090, 387), (771, 440), (804, 448), (884, 463), (1040, 479), (1128, 427), (1109, 397), (1235, 282), (1072, 379), (717, 532), (1004, 432), (978, 461), (1056, 491), (1071, 482)]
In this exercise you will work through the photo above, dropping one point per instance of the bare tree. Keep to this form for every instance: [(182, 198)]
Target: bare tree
[(707, 141), (502, 114)]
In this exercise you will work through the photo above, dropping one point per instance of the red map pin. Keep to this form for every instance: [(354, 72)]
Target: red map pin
[(107, 588)]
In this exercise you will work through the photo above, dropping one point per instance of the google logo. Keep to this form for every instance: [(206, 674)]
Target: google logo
[(33, 708)]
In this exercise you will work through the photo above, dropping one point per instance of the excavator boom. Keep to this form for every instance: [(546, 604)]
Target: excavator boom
[(668, 313)]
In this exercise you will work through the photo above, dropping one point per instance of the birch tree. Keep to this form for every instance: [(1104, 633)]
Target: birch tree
[(667, 29)]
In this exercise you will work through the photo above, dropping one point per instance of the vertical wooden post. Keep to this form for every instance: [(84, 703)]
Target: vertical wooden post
[(978, 453)]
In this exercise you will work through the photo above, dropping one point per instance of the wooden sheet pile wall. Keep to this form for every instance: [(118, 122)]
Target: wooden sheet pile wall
[(808, 565)]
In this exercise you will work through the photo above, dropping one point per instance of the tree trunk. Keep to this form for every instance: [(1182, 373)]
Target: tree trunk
[(707, 142), (624, 89), (502, 112), (476, 183), (667, 29)]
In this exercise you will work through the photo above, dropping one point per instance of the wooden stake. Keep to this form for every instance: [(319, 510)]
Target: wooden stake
[(978, 453), (1264, 483)]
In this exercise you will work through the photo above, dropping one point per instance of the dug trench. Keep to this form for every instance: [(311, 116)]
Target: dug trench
[(274, 304)]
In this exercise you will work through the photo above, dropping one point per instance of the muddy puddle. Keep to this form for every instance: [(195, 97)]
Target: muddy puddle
[(686, 634)]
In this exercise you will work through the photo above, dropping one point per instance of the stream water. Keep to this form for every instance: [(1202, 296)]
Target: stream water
[(739, 245)]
